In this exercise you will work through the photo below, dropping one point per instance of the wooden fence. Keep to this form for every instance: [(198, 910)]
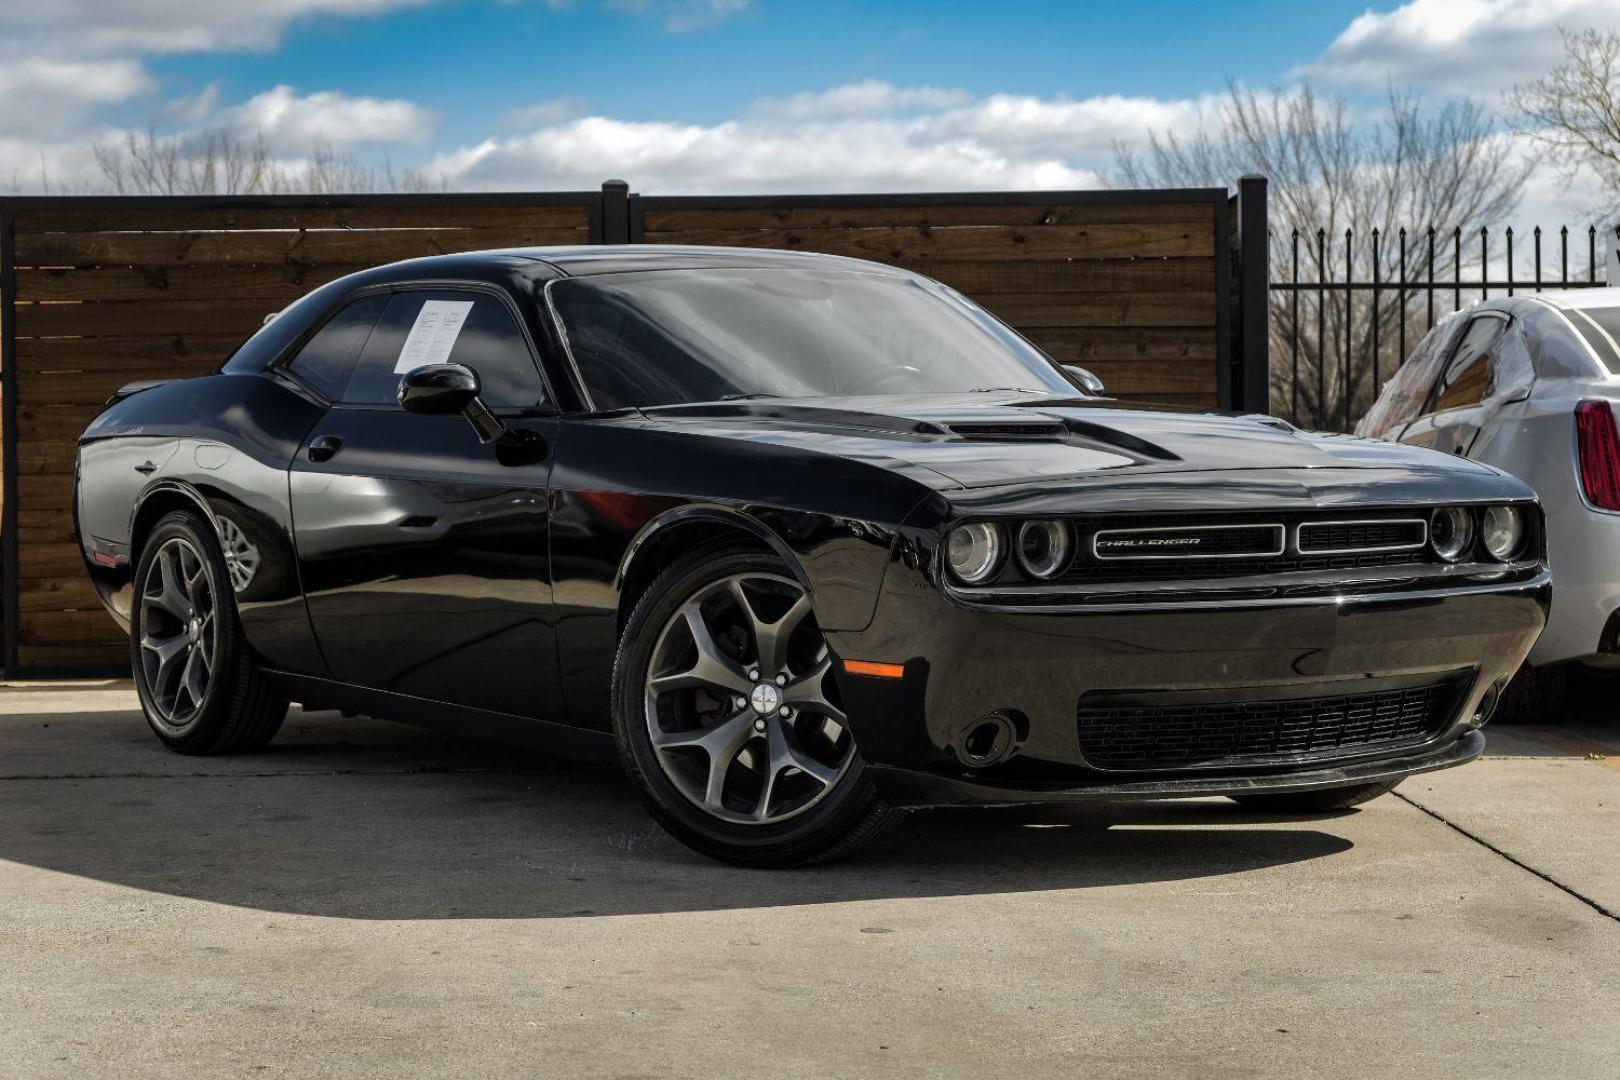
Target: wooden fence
[(1144, 288)]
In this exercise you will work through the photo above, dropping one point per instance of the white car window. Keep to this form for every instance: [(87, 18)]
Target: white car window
[(1467, 380), (1601, 329), (1407, 389)]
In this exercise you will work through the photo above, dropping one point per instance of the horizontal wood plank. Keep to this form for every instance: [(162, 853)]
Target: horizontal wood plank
[(1031, 310), (129, 318), (277, 284), (71, 659), (1079, 344), (72, 593), (987, 278), (902, 215), (916, 247), (338, 247), (447, 216), (82, 628), (144, 357)]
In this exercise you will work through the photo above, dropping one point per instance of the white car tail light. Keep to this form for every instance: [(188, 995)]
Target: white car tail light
[(1598, 450)]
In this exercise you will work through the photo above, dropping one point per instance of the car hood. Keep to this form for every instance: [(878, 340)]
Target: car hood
[(982, 440)]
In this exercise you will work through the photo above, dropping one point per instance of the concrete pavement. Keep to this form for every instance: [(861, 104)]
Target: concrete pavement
[(365, 899)]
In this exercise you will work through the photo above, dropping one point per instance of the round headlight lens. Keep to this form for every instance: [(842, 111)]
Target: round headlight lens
[(974, 551), (1451, 532), (1503, 532), (1043, 547)]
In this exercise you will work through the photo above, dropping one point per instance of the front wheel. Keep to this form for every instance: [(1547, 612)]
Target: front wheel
[(727, 716), (1324, 801), (199, 683)]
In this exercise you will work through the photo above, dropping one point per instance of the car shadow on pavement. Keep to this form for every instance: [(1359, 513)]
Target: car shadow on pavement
[(371, 821)]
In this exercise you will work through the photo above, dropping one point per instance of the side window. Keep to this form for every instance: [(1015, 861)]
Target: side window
[(433, 326), (1467, 378), (327, 359)]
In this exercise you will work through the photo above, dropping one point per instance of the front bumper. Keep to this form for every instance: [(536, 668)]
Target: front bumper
[(910, 787), (963, 662)]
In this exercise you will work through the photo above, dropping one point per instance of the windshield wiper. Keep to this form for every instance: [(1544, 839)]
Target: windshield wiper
[(745, 397), (1004, 389)]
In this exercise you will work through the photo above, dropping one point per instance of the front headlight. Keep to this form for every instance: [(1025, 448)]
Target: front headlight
[(1503, 532), (1043, 547), (973, 552), (1451, 532)]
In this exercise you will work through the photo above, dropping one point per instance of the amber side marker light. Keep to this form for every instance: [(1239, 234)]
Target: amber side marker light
[(874, 669)]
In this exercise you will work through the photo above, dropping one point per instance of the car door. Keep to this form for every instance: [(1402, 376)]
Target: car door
[(1455, 407), (422, 551)]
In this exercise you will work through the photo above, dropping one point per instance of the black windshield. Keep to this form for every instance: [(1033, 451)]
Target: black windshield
[(670, 337)]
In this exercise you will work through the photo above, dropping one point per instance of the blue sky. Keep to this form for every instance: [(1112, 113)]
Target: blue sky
[(476, 61), (721, 95)]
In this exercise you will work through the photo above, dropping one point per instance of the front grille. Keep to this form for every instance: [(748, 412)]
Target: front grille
[(1310, 540), (1331, 536), (1153, 730), (1189, 542)]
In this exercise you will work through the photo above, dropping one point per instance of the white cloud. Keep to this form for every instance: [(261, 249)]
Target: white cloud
[(1464, 46), (44, 94), (859, 99), (170, 26), (292, 124), (860, 137), (542, 113), (683, 16)]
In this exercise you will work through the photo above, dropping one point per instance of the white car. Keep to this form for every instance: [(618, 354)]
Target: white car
[(1531, 385)]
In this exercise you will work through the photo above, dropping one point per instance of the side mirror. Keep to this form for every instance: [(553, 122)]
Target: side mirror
[(1085, 377), (446, 389)]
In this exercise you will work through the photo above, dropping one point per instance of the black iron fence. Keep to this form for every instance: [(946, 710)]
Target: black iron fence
[(1337, 334)]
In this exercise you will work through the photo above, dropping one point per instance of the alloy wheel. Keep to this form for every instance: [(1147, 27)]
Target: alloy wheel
[(736, 701), (179, 633)]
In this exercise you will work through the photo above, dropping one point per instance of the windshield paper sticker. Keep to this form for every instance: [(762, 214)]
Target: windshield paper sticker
[(433, 334)]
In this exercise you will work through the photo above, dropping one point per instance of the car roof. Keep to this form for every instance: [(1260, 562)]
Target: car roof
[(586, 259), (1573, 299)]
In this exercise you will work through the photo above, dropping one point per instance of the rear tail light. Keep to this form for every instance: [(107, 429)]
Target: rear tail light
[(1598, 449)]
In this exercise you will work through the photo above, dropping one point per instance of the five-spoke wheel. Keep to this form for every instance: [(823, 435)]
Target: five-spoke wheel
[(737, 702), (179, 632), (728, 716), (199, 682)]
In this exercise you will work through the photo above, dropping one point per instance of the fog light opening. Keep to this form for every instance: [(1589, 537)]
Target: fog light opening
[(1488, 703), (989, 740)]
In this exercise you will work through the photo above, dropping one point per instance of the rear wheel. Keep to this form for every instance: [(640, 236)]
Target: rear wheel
[(1316, 802), (728, 721), (199, 683)]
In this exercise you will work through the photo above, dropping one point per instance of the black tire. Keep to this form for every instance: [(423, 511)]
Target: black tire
[(849, 813), (237, 710), (1324, 801), (1535, 696)]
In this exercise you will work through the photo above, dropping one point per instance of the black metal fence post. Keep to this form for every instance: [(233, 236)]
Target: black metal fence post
[(1349, 326), (10, 578), (615, 212), (1253, 392), (1293, 387)]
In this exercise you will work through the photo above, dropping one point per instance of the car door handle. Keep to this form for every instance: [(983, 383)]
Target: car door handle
[(146, 468), (324, 447)]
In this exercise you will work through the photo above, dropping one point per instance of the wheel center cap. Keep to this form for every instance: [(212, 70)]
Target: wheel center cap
[(191, 629), (766, 698)]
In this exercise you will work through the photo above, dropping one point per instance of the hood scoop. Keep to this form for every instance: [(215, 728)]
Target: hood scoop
[(1008, 431)]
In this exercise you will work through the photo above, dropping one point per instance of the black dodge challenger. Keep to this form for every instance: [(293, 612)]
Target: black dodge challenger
[(801, 541)]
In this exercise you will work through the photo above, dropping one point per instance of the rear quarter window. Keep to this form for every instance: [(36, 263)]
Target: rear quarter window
[(1601, 329)]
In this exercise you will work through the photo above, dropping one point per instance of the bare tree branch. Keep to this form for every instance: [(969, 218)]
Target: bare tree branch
[(1330, 172)]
